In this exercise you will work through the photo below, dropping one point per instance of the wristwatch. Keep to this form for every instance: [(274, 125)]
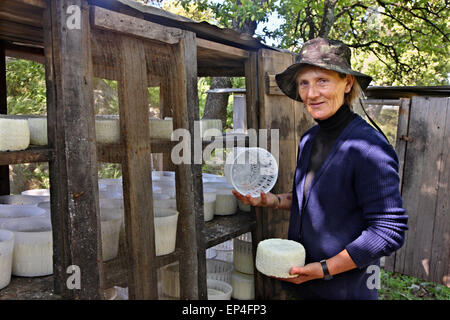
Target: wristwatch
[(326, 273)]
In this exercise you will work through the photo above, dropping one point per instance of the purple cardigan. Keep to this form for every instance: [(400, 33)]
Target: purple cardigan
[(353, 203)]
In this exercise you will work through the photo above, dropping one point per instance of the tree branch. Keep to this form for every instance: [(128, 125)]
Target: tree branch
[(328, 18)]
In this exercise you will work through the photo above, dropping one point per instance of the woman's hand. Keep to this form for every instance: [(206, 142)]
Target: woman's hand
[(268, 200), (308, 272)]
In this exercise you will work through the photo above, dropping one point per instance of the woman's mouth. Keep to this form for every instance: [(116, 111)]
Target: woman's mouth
[(316, 105)]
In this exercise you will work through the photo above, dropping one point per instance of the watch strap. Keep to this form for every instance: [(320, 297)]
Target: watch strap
[(326, 272)]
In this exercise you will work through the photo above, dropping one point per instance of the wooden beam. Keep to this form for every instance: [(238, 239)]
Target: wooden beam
[(136, 170), (211, 47), (272, 86), (125, 24), (4, 169), (23, 52), (73, 171), (188, 177)]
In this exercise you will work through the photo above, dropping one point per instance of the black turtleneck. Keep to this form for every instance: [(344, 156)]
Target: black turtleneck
[(329, 131)]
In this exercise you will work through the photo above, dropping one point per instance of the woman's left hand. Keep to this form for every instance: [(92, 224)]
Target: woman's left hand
[(308, 272)]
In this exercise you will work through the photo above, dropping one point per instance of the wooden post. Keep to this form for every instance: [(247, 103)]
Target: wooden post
[(4, 170), (71, 135), (136, 169), (188, 176)]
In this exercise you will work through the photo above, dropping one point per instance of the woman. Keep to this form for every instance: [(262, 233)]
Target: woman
[(346, 208)]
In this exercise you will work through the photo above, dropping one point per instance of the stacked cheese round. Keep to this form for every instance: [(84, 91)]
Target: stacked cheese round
[(38, 130), (275, 257), (14, 134), (218, 290)]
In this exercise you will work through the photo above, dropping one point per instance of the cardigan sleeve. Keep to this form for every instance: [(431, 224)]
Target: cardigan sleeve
[(377, 188)]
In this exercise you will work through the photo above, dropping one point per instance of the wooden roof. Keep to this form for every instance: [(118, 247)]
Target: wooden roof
[(395, 92), (221, 52)]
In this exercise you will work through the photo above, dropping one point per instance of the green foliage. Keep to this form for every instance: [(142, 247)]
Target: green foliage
[(26, 87), (395, 286)]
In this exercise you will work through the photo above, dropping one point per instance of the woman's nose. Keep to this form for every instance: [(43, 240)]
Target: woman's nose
[(313, 92)]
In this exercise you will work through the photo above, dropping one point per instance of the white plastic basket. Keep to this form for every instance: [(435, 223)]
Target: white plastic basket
[(13, 212), (219, 270), (165, 230), (218, 290), (224, 251), (252, 171)]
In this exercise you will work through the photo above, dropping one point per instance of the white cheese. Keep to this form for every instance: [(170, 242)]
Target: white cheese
[(165, 230), (14, 134), (226, 202), (243, 256), (243, 286), (275, 257), (38, 130), (6, 257), (33, 247)]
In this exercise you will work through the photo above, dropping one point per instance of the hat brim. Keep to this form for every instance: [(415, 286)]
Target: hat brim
[(287, 83)]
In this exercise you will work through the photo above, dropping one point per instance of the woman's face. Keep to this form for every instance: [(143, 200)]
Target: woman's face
[(322, 90)]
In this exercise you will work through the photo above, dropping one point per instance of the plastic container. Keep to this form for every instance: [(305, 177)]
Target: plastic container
[(37, 192), (211, 253), (6, 257), (11, 212), (209, 203), (242, 254), (224, 251), (243, 286), (33, 247), (165, 230), (22, 200), (226, 202), (46, 206), (111, 222), (14, 134), (218, 290), (219, 270), (252, 171)]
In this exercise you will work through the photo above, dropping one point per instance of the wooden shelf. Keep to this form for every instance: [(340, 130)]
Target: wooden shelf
[(32, 154), (24, 288), (223, 228), (112, 153)]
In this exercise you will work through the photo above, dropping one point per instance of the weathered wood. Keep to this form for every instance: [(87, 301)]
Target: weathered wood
[(125, 24), (4, 167), (32, 154), (25, 52), (440, 257), (137, 177), (420, 185), (400, 149), (208, 48), (188, 176), (73, 171), (272, 86), (22, 13), (224, 228), (24, 288)]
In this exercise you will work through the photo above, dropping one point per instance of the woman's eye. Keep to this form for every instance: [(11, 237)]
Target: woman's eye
[(323, 81)]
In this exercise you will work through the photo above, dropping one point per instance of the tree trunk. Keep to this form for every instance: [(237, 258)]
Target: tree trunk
[(328, 18), (216, 103)]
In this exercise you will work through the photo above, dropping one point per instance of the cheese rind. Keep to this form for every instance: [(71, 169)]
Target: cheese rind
[(275, 257), (14, 134)]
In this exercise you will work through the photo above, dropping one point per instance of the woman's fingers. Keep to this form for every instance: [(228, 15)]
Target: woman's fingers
[(240, 197)]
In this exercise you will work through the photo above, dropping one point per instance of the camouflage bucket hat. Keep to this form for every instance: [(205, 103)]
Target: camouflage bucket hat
[(328, 54)]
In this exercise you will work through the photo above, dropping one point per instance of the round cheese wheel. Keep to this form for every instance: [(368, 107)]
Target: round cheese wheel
[(14, 134), (275, 257)]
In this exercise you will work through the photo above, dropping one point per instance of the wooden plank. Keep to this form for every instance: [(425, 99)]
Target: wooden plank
[(272, 86), (24, 288), (73, 171), (136, 170), (206, 47), (188, 176), (400, 149), (440, 260), (125, 24), (4, 167), (12, 10), (224, 228), (17, 32), (24, 52), (420, 184), (32, 154)]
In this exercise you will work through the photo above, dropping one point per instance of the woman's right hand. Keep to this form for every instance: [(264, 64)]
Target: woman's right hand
[(267, 200)]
